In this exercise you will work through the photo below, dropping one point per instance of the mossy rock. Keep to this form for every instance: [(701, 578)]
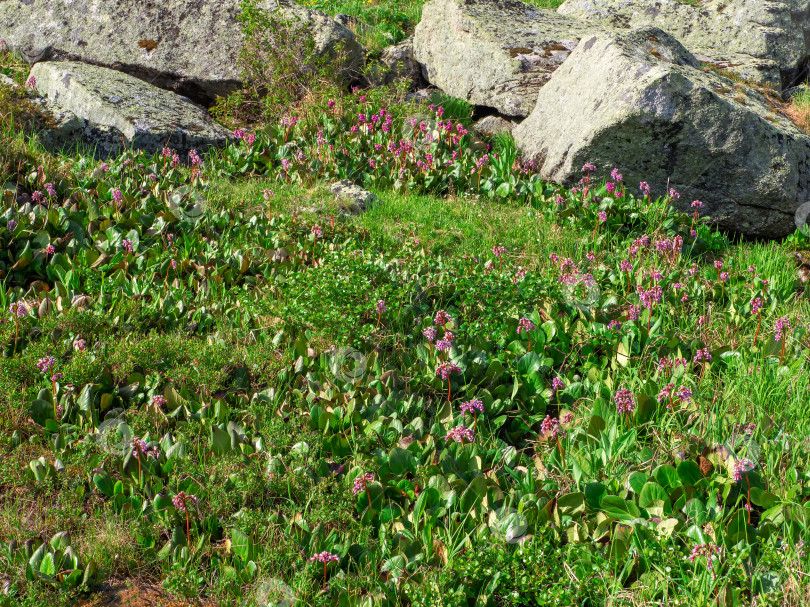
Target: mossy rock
[(494, 53), (188, 46), (99, 108), (641, 102), (764, 41)]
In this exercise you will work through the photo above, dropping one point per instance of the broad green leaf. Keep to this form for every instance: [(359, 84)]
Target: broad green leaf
[(637, 480), (104, 484), (763, 499), (689, 473), (47, 566), (220, 441), (618, 508), (473, 495), (652, 492), (571, 504), (594, 492), (242, 544), (667, 477), (41, 411), (162, 502), (529, 363), (401, 461)]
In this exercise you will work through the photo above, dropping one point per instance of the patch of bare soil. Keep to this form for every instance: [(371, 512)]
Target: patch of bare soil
[(136, 593)]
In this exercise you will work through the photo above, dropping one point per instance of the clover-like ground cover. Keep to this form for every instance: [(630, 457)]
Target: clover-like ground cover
[(487, 390)]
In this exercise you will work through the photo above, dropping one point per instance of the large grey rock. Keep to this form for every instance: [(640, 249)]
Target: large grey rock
[(767, 41), (99, 107), (189, 46), (496, 53), (489, 126), (396, 62), (640, 102), (61, 127)]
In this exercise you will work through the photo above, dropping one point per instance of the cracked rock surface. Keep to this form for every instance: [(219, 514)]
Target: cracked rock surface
[(188, 46), (640, 101), (766, 41), (495, 53), (106, 109)]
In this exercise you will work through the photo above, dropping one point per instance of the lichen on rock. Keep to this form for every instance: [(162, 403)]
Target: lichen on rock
[(765, 41), (188, 46), (495, 53), (99, 107), (639, 100)]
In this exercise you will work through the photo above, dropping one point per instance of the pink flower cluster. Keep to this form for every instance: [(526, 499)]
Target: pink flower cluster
[(709, 550), (169, 153), (702, 355), (625, 401), (782, 325), (460, 434), (471, 406), (525, 325), (445, 369), (742, 467), (140, 447), (361, 482), (443, 345), (18, 309), (668, 394), (45, 363), (248, 138), (669, 363), (649, 297), (441, 318), (551, 426), (324, 557), (181, 500)]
